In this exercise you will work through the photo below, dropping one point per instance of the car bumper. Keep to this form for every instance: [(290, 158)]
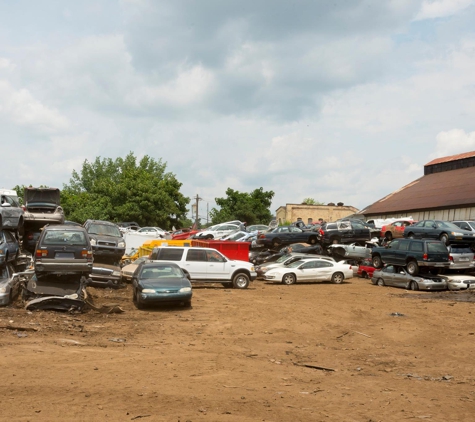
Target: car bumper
[(460, 286), (252, 275), (165, 297), (65, 266), (432, 286), (112, 252), (433, 264), (4, 299), (462, 265)]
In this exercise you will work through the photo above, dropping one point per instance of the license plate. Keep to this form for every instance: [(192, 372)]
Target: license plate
[(463, 259), (64, 255)]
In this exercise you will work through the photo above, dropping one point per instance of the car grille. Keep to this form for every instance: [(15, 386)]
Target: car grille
[(103, 243)]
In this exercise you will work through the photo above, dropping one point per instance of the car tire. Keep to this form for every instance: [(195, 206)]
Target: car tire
[(312, 240), (276, 243), (365, 275), (289, 279), (138, 303), (388, 236), (335, 240), (377, 262), (444, 238), (241, 281), (338, 278), (412, 267), (410, 235), (380, 282), (414, 286)]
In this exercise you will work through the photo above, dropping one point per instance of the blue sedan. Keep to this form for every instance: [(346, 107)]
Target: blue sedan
[(160, 282), (9, 248)]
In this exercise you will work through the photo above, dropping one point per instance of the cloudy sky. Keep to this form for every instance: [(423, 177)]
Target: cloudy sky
[(341, 100)]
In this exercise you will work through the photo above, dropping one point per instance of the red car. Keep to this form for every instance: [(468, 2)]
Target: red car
[(366, 269), (395, 229), (183, 234)]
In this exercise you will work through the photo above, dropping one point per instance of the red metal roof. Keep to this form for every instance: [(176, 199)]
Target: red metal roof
[(451, 158), (447, 189)]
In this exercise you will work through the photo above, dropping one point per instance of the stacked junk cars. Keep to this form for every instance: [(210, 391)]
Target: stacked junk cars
[(49, 262)]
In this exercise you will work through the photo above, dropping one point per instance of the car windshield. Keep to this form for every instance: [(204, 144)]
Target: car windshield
[(237, 236), (162, 271), (283, 258), (295, 264), (436, 247), (472, 224), (104, 229), (447, 225), (60, 237)]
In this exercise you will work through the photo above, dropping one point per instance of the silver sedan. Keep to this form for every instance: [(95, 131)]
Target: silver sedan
[(9, 284), (395, 276)]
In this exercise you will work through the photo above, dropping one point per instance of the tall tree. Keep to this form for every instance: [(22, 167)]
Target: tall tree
[(124, 190), (252, 208)]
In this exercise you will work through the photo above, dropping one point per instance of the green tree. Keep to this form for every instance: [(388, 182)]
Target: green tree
[(252, 208), (311, 201), (124, 190)]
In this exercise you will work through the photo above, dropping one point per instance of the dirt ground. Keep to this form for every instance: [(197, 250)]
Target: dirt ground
[(306, 352)]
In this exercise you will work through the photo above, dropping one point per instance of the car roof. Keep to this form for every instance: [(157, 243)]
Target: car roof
[(63, 227)]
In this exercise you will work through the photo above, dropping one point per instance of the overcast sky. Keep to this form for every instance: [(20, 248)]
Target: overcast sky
[(333, 100)]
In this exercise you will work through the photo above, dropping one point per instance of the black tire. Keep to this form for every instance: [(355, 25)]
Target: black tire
[(276, 243), (138, 302), (187, 304), (289, 279), (412, 267), (380, 282), (377, 261), (388, 236), (444, 238), (335, 240), (338, 278), (414, 286), (241, 281), (312, 240), (365, 275), (410, 235)]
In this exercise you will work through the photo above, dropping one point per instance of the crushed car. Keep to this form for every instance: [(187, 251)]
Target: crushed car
[(43, 204), (11, 214)]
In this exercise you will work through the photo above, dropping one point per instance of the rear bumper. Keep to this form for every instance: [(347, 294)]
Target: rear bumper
[(433, 264), (63, 266)]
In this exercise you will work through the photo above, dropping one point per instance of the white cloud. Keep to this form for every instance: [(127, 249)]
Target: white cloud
[(452, 142), (432, 9)]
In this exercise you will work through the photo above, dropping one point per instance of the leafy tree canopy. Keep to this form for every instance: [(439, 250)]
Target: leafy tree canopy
[(124, 190), (311, 201), (252, 208)]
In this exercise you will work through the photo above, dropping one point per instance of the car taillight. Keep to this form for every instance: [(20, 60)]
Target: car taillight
[(424, 257), (262, 236), (86, 255), (322, 232), (41, 253), (451, 258)]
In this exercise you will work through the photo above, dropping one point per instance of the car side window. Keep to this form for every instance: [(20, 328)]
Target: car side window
[(9, 237), (429, 223), (170, 254), (213, 256), (403, 246), (416, 247), (196, 255), (390, 269), (323, 264), (394, 244), (308, 265), (358, 225)]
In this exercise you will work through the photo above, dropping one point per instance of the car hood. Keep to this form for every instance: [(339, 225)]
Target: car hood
[(165, 283), (39, 195), (104, 269)]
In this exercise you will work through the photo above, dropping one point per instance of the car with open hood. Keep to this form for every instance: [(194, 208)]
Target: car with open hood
[(43, 205)]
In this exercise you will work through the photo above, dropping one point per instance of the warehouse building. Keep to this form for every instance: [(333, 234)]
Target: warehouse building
[(446, 191)]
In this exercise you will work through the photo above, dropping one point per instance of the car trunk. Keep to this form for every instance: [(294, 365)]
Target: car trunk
[(41, 200)]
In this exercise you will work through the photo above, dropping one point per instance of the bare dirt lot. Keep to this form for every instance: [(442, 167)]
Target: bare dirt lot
[(306, 352)]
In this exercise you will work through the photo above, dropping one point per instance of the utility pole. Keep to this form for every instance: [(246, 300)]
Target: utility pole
[(196, 210)]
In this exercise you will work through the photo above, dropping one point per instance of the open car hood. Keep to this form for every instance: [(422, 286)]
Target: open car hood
[(42, 195)]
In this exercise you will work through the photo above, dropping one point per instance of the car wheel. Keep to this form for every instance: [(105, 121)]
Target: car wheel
[(276, 243), (365, 275), (312, 240), (138, 302), (444, 238), (289, 279), (338, 278), (410, 235), (335, 240), (389, 236), (377, 262), (414, 286), (241, 281), (412, 268), (380, 282)]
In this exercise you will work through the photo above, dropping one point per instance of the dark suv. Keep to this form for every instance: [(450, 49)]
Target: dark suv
[(345, 232), (107, 242), (412, 254), (63, 250)]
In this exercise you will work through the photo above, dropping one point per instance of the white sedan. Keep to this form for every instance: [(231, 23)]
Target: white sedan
[(312, 269), (459, 282), (152, 230)]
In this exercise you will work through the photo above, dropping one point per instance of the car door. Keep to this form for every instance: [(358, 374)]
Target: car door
[(417, 229), (431, 230), (217, 268), (196, 264), (400, 277), (325, 270), (390, 254), (361, 233), (347, 234), (307, 271), (388, 275)]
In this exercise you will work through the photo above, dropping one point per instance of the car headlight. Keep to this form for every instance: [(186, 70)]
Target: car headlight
[(148, 291), (116, 273), (3, 289), (263, 269), (185, 289), (121, 244), (252, 269), (457, 234), (93, 242)]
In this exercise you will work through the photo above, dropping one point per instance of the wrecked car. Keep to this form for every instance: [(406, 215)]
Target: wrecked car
[(285, 235), (104, 275), (10, 283), (344, 232), (11, 214), (63, 249), (9, 248), (351, 251), (108, 245), (43, 204)]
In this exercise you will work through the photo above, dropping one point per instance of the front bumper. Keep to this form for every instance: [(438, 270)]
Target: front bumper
[(252, 275), (460, 286), (432, 286), (162, 297), (105, 251)]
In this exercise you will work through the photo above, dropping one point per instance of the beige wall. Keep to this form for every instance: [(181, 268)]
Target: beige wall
[(292, 212)]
